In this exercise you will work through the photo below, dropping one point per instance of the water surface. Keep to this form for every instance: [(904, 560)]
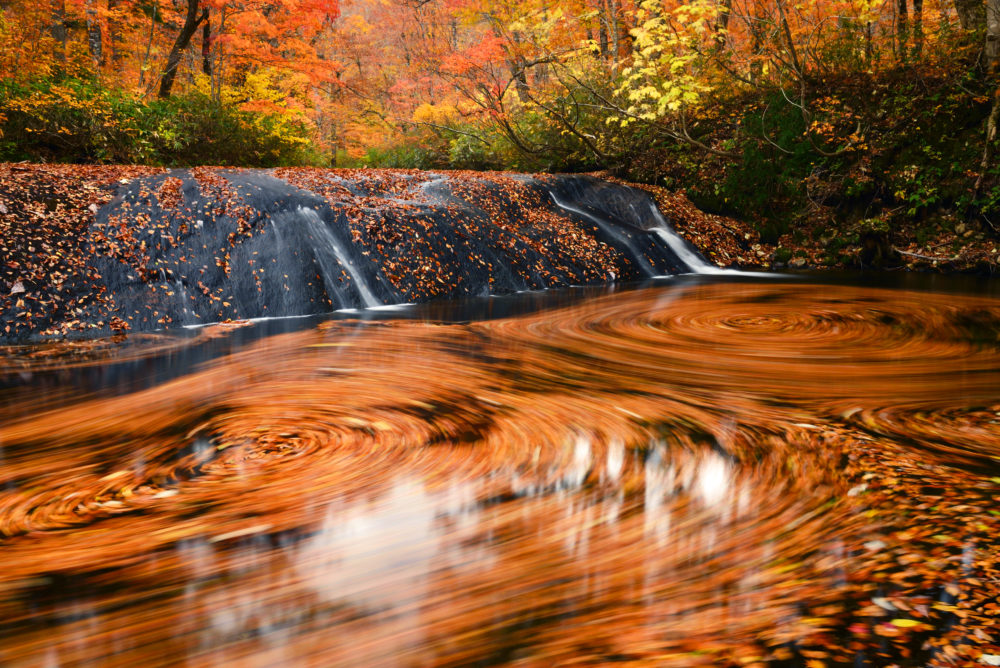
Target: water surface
[(693, 472)]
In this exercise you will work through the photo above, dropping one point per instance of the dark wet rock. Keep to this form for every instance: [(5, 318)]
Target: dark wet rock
[(193, 246)]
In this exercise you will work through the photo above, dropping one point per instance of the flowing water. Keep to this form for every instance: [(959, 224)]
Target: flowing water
[(691, 472)]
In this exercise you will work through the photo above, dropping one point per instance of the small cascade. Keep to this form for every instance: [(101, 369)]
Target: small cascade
[(328, 269), (686, 253), (332, 247), (182, 295), (279, 242), (609, 230), (695, 262)]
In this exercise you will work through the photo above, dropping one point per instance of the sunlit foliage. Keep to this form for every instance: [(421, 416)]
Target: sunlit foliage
[(571, 84)]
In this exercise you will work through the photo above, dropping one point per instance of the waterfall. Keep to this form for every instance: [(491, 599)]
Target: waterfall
[(330, 247), (182, 295), (621, 237), (290, 252), (695, 262)]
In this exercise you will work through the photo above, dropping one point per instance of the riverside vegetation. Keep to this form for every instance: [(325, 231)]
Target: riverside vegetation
[(844, 132)]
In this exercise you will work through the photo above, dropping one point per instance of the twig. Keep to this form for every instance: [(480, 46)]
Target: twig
[(446, 129), (927, 257)]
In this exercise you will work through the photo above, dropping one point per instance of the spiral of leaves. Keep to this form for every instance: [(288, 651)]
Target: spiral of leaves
[(675, 476)]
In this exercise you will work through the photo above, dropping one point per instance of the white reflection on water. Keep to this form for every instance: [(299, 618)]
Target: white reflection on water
[(714, 479), (381, 556), (615, 460), (582, 460), (707, 477)]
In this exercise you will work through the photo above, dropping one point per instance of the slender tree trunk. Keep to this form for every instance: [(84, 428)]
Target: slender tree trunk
[(918, 29), (518, 72), (614, 11), (94, 42), (992, 48), (991, 137), (217, 58), (206, 45), (191, 23), (58, 28), (991, 54), (149, 44), (902, 29), (792, 51), (869, 51), (722, 22), (756, 44), (603, 29), (114, 35)]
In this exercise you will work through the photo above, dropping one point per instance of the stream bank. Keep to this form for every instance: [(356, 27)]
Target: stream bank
[(185, 247)]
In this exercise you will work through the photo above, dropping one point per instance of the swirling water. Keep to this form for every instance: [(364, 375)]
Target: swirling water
[(692, 472)]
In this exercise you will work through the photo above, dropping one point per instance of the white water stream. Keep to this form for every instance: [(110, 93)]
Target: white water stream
[(331, 248), (609, 230)]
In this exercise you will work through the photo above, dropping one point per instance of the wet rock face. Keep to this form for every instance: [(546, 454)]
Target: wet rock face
[(203, 245)]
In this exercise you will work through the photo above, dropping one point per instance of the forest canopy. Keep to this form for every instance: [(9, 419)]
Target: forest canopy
[(745, 103)]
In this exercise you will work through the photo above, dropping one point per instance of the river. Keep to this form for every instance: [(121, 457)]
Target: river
[(692, 471)]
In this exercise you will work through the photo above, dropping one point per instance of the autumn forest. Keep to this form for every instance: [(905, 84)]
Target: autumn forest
[(838, 112)]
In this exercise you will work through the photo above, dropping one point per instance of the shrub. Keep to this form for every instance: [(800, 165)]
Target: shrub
[(79, 120)]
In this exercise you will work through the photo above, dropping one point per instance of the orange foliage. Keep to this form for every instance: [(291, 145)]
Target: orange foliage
[(369, 64)]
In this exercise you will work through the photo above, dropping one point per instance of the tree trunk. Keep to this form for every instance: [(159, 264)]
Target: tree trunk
[(191, 22), (918, 29), (792, 51), (722, 22), (869, 51), (218, 56), (519, 74), (992, 49), (149, 44), (971, 14), (991, 54), (94, 42), (615, 28), (58, 28), (603, 30), (114, 35), (991, 137), (902, 29), (756, 46), (206, 45)]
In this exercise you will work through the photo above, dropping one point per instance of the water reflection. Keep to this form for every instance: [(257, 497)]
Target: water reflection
[(707, 474)]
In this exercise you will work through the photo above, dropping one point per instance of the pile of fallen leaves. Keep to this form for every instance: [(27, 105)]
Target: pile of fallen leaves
[(944, 245), (47, 283), (726, 242)]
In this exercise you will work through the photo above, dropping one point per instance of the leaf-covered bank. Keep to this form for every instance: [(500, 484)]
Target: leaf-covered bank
[(889, 173), (97, 250)]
